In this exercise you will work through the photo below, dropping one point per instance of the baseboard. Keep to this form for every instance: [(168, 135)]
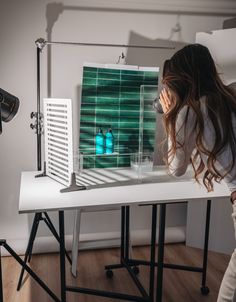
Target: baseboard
[(95, 240)]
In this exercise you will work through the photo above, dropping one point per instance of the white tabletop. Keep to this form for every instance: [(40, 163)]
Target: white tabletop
[(43, 194)]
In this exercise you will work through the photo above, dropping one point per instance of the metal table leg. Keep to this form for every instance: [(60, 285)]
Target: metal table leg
[(1, 285), (161, 242), (204, 289), (153, 252), (62, 256)]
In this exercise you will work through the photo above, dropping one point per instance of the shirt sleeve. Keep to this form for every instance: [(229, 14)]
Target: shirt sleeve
[(185, 140)]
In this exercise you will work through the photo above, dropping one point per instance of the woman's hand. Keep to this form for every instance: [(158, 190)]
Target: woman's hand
[(165, 100)]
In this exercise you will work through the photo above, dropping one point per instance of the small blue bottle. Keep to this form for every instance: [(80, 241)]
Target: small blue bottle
[(99, 142), (109, 141)]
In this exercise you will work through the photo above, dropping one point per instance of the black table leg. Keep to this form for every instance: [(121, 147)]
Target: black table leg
[(204, 288), (161, 241), (37, 218), (153, 252), (1, 285), (127, 219), (62, 256), (122, 238)]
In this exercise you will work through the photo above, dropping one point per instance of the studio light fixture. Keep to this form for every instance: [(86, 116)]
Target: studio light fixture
[(9, 105)]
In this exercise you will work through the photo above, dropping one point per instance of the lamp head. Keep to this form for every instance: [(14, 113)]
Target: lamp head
[(9, 105)]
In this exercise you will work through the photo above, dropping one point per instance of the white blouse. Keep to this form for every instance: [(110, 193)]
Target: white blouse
[(186, 143)]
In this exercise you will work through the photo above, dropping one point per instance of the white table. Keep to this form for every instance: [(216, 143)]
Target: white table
[(43, 194)]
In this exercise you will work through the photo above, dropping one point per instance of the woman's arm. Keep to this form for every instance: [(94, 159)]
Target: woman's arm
[(185, 140)]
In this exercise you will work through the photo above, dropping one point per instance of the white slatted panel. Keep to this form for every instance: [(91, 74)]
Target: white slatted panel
[(58, 139)]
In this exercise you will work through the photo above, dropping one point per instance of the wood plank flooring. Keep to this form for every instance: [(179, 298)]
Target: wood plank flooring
[(178, 285)]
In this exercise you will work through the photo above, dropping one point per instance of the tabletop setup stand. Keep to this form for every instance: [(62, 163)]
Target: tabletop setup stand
[(37, 125)]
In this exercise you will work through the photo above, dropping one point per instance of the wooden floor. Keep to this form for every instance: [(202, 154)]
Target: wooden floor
[(178, 285)]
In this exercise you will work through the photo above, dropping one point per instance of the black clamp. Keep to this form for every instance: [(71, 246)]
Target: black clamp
[(38, 123)]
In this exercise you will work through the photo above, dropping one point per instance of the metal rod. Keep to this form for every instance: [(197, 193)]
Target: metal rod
[(103, 293), (1, 284), (122, 237), (30, 272), (39, 138), (113, 266), (136, 280), (207, 228), (161, 242), (62, 256), (153, 252), (29, 248), (38, 219), (127, 233), (51, 227), (133, 262), (108, 45)]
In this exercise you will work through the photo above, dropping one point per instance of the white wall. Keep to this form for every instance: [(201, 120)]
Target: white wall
[(21, 23)]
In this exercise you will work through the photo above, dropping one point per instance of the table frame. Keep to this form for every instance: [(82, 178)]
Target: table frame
[(125, 261)]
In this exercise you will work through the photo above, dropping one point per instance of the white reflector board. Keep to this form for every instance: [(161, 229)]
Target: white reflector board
[(58, 139)]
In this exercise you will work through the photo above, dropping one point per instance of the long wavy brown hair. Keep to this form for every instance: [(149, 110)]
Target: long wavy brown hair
[(189, 75)]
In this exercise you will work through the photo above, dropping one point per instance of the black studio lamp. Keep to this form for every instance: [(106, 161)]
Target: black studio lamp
[(9, 105)]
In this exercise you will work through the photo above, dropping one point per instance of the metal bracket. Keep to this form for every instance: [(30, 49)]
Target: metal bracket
[(43, 174), (73, 186), (40, 43), (38, 123)]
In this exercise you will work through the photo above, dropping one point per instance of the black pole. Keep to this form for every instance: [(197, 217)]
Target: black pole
[(39, 151), (29, 246), (1, 285), (62, 256), (127, 215), (153, 252), (208, 212), (161, 241), (122, 237)]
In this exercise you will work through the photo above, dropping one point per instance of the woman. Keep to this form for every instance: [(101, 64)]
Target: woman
[(200, 122)]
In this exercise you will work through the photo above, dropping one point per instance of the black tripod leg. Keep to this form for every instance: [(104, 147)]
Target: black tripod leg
[(29, 246), (204, 288), (51, 227)]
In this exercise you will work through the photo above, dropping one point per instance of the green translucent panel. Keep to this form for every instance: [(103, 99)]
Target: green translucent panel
[(109, 76), (132, 72), (113, 98), (134, 78), (108, 70), (130, 95), (89, 81), (89, 74), (108, 101), (89, 99), (108, 83), (132, 89)]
